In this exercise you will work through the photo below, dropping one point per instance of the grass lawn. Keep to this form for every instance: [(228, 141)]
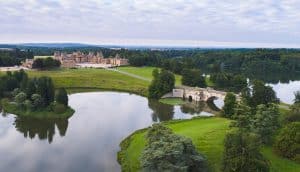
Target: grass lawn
[(145, 72), (93, 79), (207, 135), (172, 101)]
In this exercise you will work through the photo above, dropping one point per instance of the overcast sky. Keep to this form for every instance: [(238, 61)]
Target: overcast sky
[(231, 23)]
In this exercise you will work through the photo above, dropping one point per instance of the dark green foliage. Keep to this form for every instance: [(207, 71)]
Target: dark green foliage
[(297, 97), (229, 105), (229, 81), (242, 116), (45, 88), (265, 122), (166, 151), (61, 97), (288, 142), (193, 77), (37, 101), (162, 83), (45, 63), (14, 56), (294, 114), (242, 154), (262, 94)]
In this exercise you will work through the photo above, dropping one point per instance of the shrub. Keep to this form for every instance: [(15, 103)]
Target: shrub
[(288, 142), (20, 99), (166, 151), (37, 101), (229, 105)]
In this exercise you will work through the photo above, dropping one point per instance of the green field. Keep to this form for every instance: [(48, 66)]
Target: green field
[(207, 135), (78, 80), (145, 72)]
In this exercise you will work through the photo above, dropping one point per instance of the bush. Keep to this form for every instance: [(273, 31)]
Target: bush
[(20, 98), (59, 108), (294, 113), (288, 142), (229, 105), (166, 151)]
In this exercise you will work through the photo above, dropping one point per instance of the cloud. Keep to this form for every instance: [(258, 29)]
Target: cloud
[(261, 21)]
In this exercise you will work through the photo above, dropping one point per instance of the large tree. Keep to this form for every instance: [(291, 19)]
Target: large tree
[(265, 122), (166, 151), (229, 105), (193, 77), (61, 96), (242, 154), (162, 83), (262, 94)]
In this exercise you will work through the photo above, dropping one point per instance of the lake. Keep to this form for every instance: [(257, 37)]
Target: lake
[(285, 91), (89, 140)]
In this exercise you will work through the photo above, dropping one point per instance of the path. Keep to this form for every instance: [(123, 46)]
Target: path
[(129, 74)]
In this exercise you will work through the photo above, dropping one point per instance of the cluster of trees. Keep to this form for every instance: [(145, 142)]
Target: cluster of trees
[(256, 119), (11, 57), (166, 151), (33, 94), (193, 77), (162, 83), (45, 63), (287, 142), (228, 81)]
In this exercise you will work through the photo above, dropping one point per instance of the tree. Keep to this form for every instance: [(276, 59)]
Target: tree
[(242, 117), (288, 142), (45, 88), (297, 97), (193, 78), (229, 105), (20, 99), (61, 96), (37, 101), (242, 153), (166, 151), (162, 83), (263, 94), (31, 87), (265, 122)]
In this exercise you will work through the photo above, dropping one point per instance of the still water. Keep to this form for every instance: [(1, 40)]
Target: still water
[(285, 91), (89, 140)]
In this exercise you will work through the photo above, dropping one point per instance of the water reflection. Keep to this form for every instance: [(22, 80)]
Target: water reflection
[(43, 128), (89, 140)]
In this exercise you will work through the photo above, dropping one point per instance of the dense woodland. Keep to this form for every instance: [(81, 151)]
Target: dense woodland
[(269, 65)]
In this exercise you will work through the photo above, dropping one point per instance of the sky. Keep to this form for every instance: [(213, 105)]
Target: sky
[(203, 23)]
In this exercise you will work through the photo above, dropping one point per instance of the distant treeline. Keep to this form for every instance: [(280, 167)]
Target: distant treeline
[(270, 65), (11, 57)]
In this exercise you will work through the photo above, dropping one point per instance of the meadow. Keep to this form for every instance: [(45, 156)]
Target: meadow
[(207, 135), (80, 80)]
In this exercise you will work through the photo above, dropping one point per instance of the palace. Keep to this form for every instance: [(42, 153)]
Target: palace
[(77, 58)]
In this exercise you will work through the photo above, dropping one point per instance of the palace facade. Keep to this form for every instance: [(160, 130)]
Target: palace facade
[(71, 60)]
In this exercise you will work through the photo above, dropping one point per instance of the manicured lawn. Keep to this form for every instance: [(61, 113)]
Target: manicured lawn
[(206, 133), (91, 79), (172, 101), (145, 72)]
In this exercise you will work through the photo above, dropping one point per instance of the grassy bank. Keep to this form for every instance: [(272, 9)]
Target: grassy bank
[(78, 80), (13, 109), (207, 135)]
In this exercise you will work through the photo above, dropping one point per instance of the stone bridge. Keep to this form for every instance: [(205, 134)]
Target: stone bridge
[(196, 94)]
